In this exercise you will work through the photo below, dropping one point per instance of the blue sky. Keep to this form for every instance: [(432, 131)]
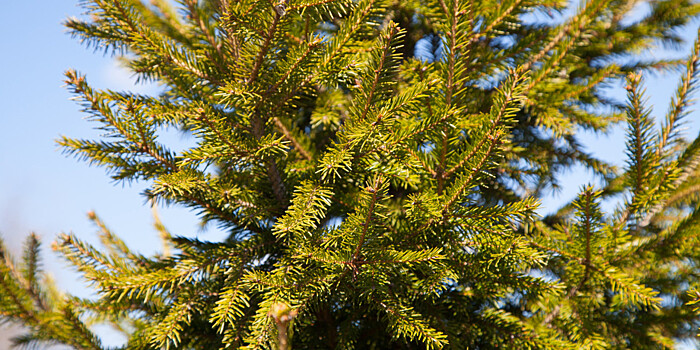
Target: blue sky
[(44, 191)]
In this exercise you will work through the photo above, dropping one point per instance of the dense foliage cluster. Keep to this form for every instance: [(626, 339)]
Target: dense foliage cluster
[(378, 164)]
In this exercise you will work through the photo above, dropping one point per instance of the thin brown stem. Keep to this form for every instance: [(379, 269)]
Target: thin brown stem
[(377, 74), (288, 135), (472, 174), (263, 50), (368, 220)]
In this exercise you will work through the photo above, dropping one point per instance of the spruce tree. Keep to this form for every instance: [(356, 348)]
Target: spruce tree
[(378, 165)]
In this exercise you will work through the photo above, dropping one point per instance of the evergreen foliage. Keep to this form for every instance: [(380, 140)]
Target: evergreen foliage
[(378, 165)]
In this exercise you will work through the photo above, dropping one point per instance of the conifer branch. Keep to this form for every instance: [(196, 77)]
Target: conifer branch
[(374, 190), (212, 208), (490, 135), (169, 14), (307, 209), (27, 305), (497, 21), (303, 6), (687, 165), (168, 331), (263, 49), (417, 206), (278, 187), (563, 253), (78, 326), (449, 85), (596, 79), (433, 124), (554, 61), (638, 145), (451, 58), (85, 257), (213, 127), (348, 30), (681, 101), (509, 94), (494, 64), (428, 105), (474, 172), (11, 290), (209, 35), (622, 11), (288, 135), (31, 271), (239, 19), (391, 32), (575, 25), (211, 38), (588, 216), (109, 240), (344, 36), (415, 328), (310, 47), (136, 28), (423, 164), (547, 320)]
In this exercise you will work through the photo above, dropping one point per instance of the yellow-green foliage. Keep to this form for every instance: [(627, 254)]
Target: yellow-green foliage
[(378, 165)]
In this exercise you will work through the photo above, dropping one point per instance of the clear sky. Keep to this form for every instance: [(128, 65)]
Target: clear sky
[(44, 191)]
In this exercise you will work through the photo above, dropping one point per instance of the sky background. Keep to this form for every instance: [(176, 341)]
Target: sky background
[(47, 192)]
